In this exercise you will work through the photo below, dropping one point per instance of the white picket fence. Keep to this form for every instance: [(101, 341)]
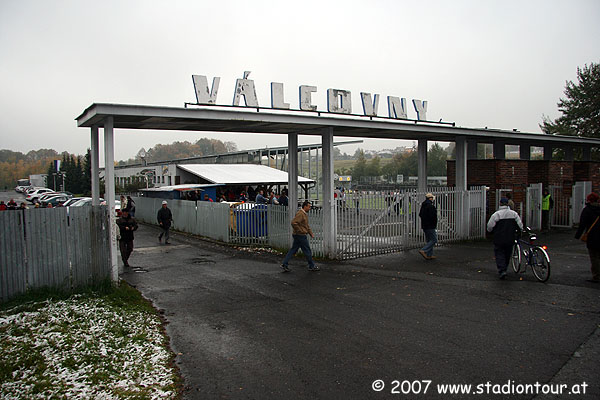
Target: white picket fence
[(366, 223)]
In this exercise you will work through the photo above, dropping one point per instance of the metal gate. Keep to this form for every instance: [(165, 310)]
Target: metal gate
[(370, 223), (561, 216), (580, 191), (534, 206)]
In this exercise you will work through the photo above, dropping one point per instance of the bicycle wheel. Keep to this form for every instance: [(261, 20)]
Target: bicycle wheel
[(540, 264), (515, 260)]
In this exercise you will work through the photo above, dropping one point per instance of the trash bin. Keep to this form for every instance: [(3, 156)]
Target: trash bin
[(251, 220)]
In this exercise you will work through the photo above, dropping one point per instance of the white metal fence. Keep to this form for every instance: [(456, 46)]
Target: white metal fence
[(561, 215), (366, 223), (370, 223), (580, 192), (62, 248), (534, 206)]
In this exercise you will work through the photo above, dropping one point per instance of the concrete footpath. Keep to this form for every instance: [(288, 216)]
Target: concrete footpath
[(243, 330)]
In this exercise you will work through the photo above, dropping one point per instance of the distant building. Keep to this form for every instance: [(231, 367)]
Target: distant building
[(230, 179), (39, 180)]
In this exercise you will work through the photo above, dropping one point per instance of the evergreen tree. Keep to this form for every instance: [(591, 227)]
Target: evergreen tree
[(580, 108)]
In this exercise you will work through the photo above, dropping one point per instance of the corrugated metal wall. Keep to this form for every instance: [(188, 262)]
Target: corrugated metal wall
[(12, 254), (59, 248)]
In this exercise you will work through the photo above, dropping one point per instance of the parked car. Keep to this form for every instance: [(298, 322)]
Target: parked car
[(84, 201), (46, 196), (31, 189), (73, 200), (34, 196), (55, 201)]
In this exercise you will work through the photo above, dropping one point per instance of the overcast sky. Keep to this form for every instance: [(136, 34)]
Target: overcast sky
[(499, 64)]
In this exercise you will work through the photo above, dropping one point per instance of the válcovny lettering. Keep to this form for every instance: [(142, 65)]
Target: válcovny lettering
[(338, 101)]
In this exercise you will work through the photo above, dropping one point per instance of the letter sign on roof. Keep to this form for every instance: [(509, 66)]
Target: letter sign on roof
[(245, 87), (277, 96), (339, 101), (305, 100), (203, 96)]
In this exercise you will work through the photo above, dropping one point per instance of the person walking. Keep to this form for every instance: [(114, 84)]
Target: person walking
[(130, 206), (504, 223), (127, 226), (300, 230), (164, 217), (547, 205), (589, 222), (428, 215)]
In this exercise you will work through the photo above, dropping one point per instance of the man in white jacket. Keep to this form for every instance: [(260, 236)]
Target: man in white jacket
[(504, 223)]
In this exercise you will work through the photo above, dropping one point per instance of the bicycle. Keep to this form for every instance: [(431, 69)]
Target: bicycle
[(534, 255)]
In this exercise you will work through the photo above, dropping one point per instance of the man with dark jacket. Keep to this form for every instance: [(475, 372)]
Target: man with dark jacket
[(428, 214), (504, 223), (126, 225), (590, 222), (164, 218)]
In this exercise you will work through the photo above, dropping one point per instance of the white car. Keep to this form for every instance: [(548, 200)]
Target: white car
[(33, 196), (84, 201)]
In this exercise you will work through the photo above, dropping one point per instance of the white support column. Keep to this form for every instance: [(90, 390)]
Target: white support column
[(317, 180), (461, 163), (109, 184), (329, 220), (292, 176), (462, 205), (422, 165), (95, 173)]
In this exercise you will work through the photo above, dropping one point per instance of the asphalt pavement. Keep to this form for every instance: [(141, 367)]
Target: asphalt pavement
[(241, 329)]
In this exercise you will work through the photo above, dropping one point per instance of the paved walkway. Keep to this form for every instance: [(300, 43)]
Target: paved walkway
[(243, 330)]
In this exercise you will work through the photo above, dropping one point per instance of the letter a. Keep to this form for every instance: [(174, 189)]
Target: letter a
[(245, 87)]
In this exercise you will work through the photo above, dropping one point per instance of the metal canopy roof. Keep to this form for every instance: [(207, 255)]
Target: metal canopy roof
[(253, 120), (240, 174)]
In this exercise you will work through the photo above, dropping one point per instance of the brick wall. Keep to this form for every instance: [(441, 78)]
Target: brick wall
[(587, 171), (497, 174)]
